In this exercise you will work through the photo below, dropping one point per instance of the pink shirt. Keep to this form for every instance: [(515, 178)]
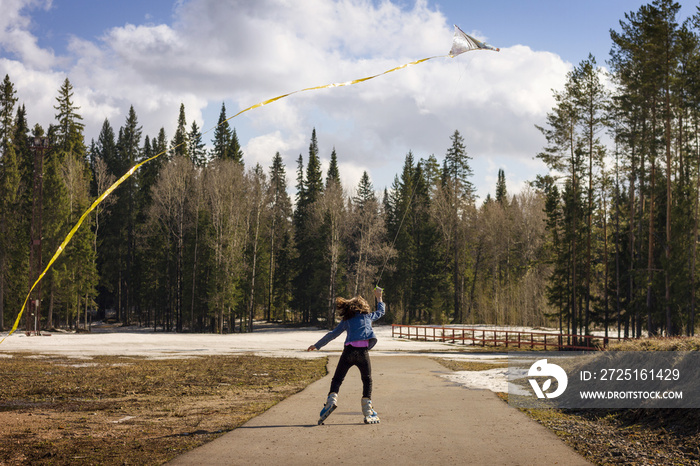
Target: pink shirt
[(359, 343)]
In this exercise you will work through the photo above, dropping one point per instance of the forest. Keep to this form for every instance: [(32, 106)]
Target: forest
[(197, 241)]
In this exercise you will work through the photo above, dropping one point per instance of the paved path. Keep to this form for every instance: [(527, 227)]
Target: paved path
[(425, 420)]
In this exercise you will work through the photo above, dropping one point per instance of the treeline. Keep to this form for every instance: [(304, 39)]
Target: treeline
[(196, 241), (622, 197)]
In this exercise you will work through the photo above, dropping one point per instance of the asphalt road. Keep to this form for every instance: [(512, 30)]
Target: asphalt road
[(425, 419)]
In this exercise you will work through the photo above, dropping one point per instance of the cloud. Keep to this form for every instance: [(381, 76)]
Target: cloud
[(16, 38), (243, 52)]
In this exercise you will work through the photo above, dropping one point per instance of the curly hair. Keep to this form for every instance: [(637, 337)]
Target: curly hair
[(348, 308)]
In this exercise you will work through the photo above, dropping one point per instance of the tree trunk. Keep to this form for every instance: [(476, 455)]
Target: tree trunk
[(194, 272), (691, 325), (605, 261), (251, 310), (669, 322), (589, 233), (2, 299), (270, 289), (49, 319), (650, 250)]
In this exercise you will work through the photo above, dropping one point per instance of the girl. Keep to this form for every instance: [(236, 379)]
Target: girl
[(357, 321)]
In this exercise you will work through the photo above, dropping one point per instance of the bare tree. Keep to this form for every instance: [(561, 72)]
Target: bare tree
[(82, 271), (172, 208), (224, 191), (331, 209), (257, 196), (103, 179)]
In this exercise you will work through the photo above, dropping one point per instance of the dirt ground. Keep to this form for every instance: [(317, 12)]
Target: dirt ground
[(116, 410)]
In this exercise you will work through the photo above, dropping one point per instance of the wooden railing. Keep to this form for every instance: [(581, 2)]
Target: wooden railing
[(502, 337)]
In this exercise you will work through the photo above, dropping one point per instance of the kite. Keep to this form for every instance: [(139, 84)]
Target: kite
[(461, 43)]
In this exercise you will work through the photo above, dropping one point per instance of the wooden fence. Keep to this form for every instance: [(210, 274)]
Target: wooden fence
[(502, 338)]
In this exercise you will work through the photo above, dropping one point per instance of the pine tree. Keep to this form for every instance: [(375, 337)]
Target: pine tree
[(501, 191), (333, 234), (279, 226), (179, 146), (457, 171), (10, 197), (222, 136), (68, 132), (367, 248), (333, 174), (55, 218), (106, 153), (128, 147), (234, 150), (313, 185), (365, 191), (308, 286), (197, 154), (24, 155), (591, 100), (68, 175), (399, 203), (432, 170), (459, 198), (644, 60), (564, 154), (8, 99)]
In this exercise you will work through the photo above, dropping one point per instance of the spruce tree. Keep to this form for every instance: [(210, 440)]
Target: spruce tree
[(68, 174), (197, 154), (68, 132), (24, 155), (458, 192), (126, 213), (222, 136), (365, 191), (591, 99), (10, 197), (313, 184), (563, 154), (309, 289), (179, 146), (235, 152), (333, 174), (501, 191), (279, 226)]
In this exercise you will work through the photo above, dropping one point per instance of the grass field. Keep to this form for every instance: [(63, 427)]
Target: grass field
[(116, 410)]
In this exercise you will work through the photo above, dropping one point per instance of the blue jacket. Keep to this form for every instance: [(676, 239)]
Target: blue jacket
[(358, 328)]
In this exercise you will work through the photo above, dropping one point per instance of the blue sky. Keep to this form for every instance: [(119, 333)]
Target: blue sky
[(157, 54)]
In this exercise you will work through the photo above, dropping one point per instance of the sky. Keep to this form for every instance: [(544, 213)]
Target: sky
[(155, 55)]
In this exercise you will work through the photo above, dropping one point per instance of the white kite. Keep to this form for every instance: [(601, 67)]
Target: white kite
[(463, 42)]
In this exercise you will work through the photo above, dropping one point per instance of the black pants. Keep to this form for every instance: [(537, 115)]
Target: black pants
[(354, 357)]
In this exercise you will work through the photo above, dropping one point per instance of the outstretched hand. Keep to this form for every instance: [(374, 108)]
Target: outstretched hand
[(311, 348), (378, 294)]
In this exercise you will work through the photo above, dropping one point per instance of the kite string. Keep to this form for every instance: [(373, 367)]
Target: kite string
[(131, 171), (398, 230)]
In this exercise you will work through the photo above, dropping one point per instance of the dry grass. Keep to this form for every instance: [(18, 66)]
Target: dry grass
[(658, 344), (114, 410), (457, 365)]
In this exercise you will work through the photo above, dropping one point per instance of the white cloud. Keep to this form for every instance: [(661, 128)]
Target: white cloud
[(15, 35), (242, 52)]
